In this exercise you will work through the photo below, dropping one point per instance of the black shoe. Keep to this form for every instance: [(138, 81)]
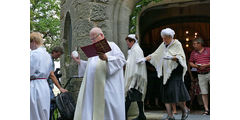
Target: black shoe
[(142, 117), (184, 116)]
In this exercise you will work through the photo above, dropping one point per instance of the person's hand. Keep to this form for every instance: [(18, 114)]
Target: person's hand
[(63, 90), (174, 58), (102, 56), (141, 60), (74, 53), (148, 58), (77, 59), (203, 66)]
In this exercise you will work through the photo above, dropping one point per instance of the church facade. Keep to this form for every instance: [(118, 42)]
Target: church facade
[(113, 17)]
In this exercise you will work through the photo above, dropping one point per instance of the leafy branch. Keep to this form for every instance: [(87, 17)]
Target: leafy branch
[(45, 18), (135, 13)]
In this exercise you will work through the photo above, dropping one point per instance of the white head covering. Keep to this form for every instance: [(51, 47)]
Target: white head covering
[(133, 37), (168, 32)]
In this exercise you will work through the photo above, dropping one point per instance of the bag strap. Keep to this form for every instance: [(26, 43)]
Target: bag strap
[(56, 74), (70, 80)]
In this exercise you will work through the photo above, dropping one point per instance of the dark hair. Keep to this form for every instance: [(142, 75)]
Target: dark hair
[(130, 39), (57, 49), (199, 40)]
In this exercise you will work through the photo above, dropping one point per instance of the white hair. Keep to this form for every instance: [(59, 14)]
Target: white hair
[(96, 30), (168, 32)]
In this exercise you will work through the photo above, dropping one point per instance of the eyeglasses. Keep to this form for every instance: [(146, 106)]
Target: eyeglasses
[(95, 37)]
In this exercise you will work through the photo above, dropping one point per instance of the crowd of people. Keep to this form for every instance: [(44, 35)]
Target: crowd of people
[(111, 82)]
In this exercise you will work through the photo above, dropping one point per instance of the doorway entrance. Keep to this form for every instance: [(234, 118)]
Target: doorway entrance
[(188, 20)]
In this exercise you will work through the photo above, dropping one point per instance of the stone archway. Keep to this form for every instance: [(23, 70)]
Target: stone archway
[(67, 44), (67, 34), (68, 68), (123, 10), (181, 16), (168, 12)]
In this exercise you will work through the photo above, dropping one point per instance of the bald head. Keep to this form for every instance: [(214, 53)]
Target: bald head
[(95, 30), (96, 34)]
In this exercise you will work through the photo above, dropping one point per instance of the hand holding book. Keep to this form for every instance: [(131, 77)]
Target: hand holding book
[(102, 56)]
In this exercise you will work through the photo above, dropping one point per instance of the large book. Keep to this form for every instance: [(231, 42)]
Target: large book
[(93, 49)]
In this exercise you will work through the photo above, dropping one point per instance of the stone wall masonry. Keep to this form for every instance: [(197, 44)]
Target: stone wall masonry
[(82, 11), (82, 41), (106, 28), (82, 27), (74, 87), (103, 1), (98, 12)]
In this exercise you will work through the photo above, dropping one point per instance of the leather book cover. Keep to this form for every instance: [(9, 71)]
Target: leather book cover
[(89, 50), (100, 46)]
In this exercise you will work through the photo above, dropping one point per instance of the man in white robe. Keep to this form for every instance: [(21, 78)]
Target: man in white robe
[(135, 77), (40, 67), (101, 95)]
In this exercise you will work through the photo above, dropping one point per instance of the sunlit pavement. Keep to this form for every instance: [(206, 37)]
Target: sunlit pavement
[(160, 115)]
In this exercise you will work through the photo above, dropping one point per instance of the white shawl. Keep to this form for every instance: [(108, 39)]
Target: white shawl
[(135, 73), (165, 67)]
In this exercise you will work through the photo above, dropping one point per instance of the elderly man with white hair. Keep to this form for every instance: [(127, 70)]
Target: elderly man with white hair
[(135, 77), (170, 62), (101, 96)]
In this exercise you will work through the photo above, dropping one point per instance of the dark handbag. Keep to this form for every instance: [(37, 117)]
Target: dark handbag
[(134, 95), (65, 103)]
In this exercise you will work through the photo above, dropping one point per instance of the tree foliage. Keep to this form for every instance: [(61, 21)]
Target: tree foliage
[(45, 18), (136, 11)]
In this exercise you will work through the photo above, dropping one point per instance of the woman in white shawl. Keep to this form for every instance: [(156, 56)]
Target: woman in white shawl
[(170, 62)]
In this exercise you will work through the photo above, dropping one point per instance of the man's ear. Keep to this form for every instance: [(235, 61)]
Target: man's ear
[(102, 35)]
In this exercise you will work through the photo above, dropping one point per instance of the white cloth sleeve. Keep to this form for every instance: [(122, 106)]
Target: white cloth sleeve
[(82, 68), (116, 59), (34, 63)]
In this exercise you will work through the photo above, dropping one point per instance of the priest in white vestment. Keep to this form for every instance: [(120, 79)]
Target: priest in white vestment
[(135, 77), (40, 68), (101, 95)]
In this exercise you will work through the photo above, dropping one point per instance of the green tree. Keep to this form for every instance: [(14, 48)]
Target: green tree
[(45, 18), (135, 13)]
